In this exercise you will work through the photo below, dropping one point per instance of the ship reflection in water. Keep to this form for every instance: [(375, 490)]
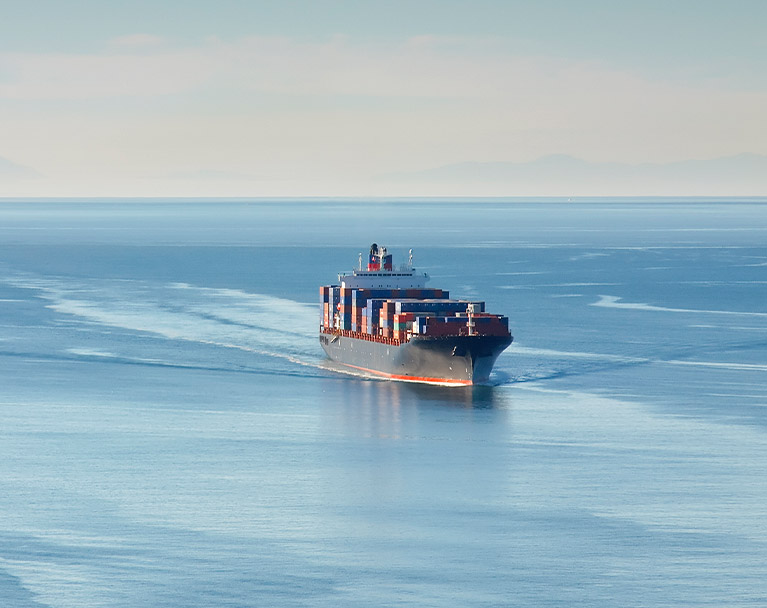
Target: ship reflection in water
[(477, 397), (397, 410)]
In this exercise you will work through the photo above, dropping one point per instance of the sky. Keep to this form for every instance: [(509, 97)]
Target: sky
[(332, 98)]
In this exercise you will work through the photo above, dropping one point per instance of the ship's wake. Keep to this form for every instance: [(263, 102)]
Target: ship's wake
[(522, 364), (229, 319)]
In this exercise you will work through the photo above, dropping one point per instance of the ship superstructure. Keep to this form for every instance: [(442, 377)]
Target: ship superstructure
[(385, 321)]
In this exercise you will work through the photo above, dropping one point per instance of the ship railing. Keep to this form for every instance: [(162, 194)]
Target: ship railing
[(461, 331), (348, 333)]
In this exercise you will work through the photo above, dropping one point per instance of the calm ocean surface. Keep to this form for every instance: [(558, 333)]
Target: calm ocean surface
[(171, 435)]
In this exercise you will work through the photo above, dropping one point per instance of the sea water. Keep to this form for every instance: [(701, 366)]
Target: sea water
[(172, 435)]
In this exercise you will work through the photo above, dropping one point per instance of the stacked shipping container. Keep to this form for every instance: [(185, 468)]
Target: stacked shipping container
[(400, 313)]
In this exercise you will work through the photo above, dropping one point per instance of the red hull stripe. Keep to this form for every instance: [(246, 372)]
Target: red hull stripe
[(411, 378)]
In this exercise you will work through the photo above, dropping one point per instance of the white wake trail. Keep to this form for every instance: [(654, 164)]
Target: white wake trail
[(615, 302)]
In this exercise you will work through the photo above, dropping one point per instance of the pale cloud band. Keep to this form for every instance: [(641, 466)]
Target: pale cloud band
[(337, 112)]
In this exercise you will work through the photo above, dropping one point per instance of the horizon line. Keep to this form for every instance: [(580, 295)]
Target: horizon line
[(398, 198)]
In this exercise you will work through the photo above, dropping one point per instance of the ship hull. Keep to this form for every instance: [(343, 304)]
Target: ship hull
[(462, 360)]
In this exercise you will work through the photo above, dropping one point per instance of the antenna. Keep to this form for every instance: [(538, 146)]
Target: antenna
[(410, 259), (360, 260)]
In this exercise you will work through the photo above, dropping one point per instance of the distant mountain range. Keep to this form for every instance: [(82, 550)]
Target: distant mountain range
[(12, 170), (562, 175)]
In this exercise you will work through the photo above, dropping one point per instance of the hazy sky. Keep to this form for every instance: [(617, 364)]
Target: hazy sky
[(256, 98)]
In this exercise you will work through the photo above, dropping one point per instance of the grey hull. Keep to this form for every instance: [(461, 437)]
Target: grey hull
[(444, 360)]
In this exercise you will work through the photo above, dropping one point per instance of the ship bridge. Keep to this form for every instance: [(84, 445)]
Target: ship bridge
[(381, 273)]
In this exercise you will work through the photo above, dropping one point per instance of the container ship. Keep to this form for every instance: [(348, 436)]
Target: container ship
[(385, 321)]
